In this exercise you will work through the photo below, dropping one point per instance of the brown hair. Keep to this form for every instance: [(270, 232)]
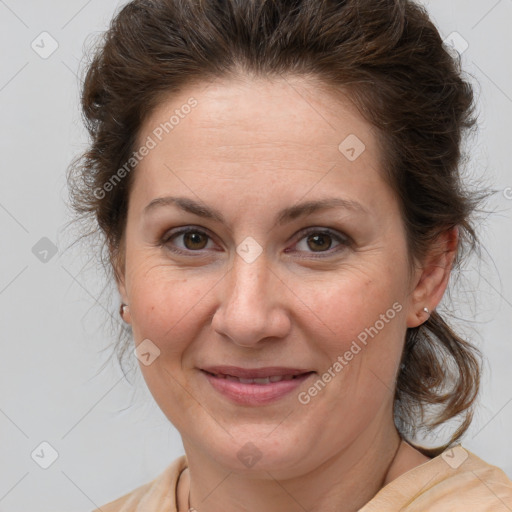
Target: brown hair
[(391, 60)]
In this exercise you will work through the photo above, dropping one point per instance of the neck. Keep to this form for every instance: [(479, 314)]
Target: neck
[(344, 483)]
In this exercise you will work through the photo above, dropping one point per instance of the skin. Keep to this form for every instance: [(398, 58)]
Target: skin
[(249, 149)]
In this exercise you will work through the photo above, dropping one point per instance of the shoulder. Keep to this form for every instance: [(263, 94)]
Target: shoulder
[(456, 480), (158, 494)]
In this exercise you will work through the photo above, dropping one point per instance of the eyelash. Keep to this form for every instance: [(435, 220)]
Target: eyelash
[(343, 240)]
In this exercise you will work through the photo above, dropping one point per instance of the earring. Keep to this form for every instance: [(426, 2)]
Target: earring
[(426, 311), (121, 309)]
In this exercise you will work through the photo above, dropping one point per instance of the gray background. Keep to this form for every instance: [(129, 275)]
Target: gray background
[(109, 435)]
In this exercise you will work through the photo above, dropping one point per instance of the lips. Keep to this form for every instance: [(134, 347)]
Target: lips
[(248, 375), (255, 386), (262, 380)]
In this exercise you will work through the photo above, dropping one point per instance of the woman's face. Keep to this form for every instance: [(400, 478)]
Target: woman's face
[(262, 281)]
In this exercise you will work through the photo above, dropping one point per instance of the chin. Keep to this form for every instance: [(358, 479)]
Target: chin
[(258, 450)]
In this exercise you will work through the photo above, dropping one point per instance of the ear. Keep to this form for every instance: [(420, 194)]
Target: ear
[(431, 278), (117, 260)]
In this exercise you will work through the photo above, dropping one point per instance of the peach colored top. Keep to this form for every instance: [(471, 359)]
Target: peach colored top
[(455, 481)]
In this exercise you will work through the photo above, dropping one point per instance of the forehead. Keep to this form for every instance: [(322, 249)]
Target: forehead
[(261, 131), (260, 110)]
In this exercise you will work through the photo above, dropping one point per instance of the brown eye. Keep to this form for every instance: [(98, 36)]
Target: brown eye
[(186, 241), (195, 240), (319, 242), (323, 242)]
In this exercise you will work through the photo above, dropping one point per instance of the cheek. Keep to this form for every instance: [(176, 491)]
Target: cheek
[(363, 328), (346, 307), (362, 318), (165, 304)]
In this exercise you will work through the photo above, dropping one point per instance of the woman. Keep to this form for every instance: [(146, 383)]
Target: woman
[(278, 187)]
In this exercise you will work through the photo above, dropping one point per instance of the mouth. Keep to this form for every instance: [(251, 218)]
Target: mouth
[(255, 386), (257, 380), (274, 373)]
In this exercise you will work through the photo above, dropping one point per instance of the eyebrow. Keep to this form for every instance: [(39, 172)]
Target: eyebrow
[(285, 215)]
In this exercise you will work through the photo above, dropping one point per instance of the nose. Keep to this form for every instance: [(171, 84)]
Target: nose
[(252, 305)]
